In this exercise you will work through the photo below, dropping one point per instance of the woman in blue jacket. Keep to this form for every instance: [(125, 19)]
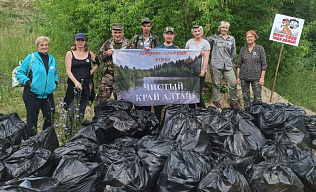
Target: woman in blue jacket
[(38, 73)]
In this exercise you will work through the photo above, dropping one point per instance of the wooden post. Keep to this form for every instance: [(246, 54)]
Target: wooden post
[(276, 72)]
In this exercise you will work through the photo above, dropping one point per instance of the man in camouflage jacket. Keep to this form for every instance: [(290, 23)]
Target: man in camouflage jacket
[(118, 41), (145, 40)]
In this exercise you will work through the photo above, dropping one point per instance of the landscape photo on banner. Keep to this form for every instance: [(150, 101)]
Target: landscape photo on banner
[(286, 29), (157, 76)]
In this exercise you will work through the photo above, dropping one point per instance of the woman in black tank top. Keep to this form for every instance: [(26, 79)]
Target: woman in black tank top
[(80, 80)]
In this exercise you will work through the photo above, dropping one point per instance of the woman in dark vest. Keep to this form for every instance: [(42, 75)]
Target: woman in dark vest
[(80, 78)]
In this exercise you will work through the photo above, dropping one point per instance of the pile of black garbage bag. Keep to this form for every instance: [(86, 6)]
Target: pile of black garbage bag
[(262, 148)]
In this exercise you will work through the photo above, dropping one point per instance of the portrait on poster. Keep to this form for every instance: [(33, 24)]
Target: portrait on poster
[(286, 29)]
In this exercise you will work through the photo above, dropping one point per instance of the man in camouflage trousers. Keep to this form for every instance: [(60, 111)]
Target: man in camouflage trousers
[(118, 41)]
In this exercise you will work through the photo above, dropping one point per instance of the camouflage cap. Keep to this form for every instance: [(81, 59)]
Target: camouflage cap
[(146, 20), (171, 29), (118, 26)]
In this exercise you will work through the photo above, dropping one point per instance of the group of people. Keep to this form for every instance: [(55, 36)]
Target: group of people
[(81, 64)]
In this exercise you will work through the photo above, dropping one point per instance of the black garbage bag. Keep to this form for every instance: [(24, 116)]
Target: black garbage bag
[(87, 132), (271, 118), (45, 140), (219, 129), (128, 174), (108, 106), (276, 150), (33, 184), (147, 122), (292, 135), (193, 137), (303, 163), (310, 125), (77, 175), (12, 128), (273, 176), (2, 171), (205, 116), (236, 114), (109, 188), (110, 153), (81, 148), (153, 153), (5, 149), (119, 124), (248, 128), (126, 142), (295, 118), (28, 161), (183, 171), (173, 122), (223, 178), (240, 150), (182, 126), (99, 127)]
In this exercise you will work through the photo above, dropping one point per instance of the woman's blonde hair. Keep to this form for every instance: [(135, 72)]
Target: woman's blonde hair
[(253, 33), (41, 39), (86, 48), (223, 24)]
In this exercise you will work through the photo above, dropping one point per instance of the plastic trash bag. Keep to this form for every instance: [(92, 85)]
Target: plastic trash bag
[(181, 125), (76, 175), (276, 150), (5, 149), (310, 125), (183, 171), (12, 128), (27, 162), (173, 114), (303, 163), (292, 135), (240, 150), (45, 140), (273, 176), (119, 124), (223, 178), (33, 184), (81, 148), (108, 106), (147, 122), (248, 128), (236, 114), (219, 129), (205, 116), (128, 173), (153, 153)]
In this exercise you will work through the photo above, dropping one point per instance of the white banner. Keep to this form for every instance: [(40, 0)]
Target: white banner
[(157, 76), (286, 29)]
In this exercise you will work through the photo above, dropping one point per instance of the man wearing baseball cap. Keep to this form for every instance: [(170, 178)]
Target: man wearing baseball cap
[(118, 41), (145, 40), (168, 34)]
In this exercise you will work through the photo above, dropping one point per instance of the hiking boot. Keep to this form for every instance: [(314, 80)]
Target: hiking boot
[(218, 106)]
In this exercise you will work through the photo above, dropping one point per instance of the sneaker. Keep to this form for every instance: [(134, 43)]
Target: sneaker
[(218, 105)]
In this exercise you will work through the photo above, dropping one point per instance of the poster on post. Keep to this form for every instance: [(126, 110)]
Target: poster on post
[(157, 76), (286, 29)]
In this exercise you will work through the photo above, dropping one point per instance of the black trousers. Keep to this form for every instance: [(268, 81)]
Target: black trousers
[(33, 105)]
